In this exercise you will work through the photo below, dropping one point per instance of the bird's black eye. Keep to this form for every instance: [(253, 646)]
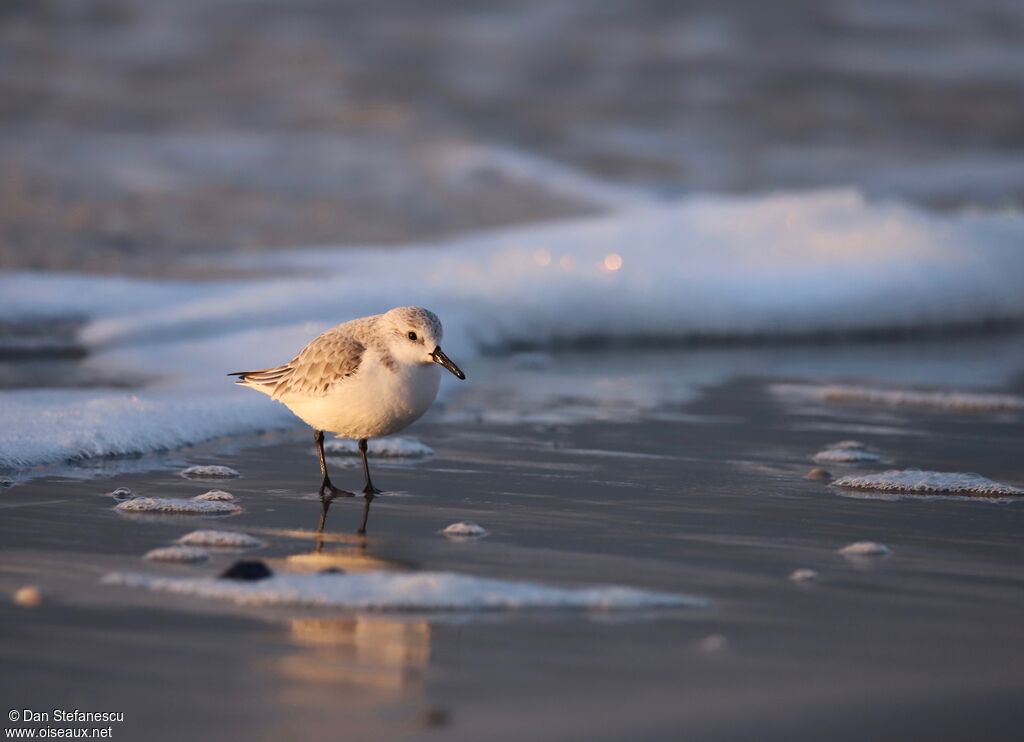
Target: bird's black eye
[(412, 335)]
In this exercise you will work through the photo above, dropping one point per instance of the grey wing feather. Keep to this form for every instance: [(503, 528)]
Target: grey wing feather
[(327, 360)]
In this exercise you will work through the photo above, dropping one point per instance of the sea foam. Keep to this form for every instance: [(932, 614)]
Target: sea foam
[(846, 452), (220, 540), (193, 506), (785, 265), (215, 496), (464, 530), (928, 482), (210, 471), (859, 549), (178, 554), (395, 591)]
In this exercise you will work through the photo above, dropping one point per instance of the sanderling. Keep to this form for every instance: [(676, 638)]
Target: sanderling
[(362, 379)]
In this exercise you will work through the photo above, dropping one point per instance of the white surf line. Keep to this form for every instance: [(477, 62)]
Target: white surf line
[(403, 591), (957, 401)]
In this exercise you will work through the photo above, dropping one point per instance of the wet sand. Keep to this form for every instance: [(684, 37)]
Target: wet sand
[(922, 643)]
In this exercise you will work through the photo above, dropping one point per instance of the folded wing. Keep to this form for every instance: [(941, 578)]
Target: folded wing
[(326, 361)]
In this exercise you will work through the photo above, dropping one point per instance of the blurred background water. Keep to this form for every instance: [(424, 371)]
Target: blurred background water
[(133, 132)]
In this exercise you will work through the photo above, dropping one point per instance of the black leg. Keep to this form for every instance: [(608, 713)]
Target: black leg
[(369, 491), (325, 484), (327, 490), (318, 438)]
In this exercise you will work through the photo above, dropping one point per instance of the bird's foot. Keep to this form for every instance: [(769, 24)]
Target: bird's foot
[(329, 490), (369, 491)]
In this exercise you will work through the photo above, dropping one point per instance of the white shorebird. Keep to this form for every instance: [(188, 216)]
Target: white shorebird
[(365, 378)]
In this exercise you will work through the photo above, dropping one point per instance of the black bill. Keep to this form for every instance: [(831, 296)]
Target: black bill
[(439, 357)]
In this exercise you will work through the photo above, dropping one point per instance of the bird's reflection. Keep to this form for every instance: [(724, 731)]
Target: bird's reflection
[(326, 498), (355, 558), (374, 659), (382, 656)]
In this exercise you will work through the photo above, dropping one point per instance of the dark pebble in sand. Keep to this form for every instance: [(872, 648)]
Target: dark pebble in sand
[(819, 473), (247, 570), (436, 717)]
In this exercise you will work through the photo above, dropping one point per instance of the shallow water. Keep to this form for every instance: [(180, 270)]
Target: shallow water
[(715, 505)]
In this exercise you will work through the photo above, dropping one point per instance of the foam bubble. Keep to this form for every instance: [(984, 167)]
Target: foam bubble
[(803, 574), (929, 482), (215, 496), (177, 505), (865, 549), (220, 540), (122, 493), (846, 452), (209, 471), (179, 554), (465, 530)]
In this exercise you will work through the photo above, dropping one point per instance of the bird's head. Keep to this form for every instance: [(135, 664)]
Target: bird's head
[(414, 336)]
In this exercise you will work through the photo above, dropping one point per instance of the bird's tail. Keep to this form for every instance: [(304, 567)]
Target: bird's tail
[(266, 380)]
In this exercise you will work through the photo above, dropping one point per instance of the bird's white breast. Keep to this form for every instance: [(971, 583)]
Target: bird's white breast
[(377, 400)]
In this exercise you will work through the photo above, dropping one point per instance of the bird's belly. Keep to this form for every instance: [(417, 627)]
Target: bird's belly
[(372, 406)]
